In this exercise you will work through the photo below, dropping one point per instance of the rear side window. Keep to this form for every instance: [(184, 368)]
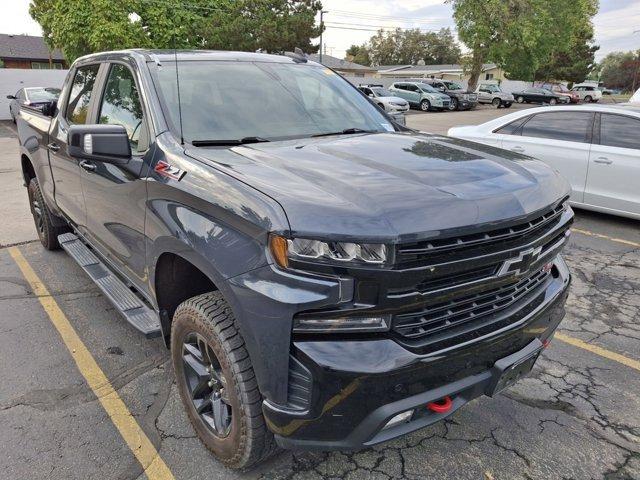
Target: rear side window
[(567, 126), (412, 88), (80, 96), (619, 131), (511, 128)]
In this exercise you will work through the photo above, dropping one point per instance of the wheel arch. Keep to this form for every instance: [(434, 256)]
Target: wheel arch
[(28, 170)]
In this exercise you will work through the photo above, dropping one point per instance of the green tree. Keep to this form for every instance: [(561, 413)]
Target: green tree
[(621, 70), (521, 36), (573, 62), (358, 54), (80, 27), (403, 47)]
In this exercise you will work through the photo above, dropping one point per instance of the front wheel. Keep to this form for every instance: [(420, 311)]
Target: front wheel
[(588, 99), (520, 99), (553, 101), (453, 104), (216, 382), (425, 105), (496, 102)]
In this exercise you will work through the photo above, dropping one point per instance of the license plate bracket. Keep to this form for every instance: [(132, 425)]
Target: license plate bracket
[(507, 371)]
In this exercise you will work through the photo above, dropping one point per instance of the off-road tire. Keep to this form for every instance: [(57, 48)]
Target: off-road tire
[(425, 105), (520, 99), (42, 217), (249, 441), (496, 102)]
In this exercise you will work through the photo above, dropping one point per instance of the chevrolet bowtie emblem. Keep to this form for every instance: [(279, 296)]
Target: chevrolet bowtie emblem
[(520, 264)]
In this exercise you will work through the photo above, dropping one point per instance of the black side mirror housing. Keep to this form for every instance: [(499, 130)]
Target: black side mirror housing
[(11, 97), (49, 108), (102, 143)]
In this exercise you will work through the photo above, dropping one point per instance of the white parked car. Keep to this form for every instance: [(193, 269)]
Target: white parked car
[(587, 93), (383, 97), (596, 148)]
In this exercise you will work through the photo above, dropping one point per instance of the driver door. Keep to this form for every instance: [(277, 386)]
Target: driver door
[(115, 195)]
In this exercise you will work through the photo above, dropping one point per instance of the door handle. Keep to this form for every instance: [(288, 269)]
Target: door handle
[(88, 166), (53, 146), (517, 149), (603, 160)]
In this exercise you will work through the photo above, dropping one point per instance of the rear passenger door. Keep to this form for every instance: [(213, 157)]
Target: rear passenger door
[(614, 164), (116, 195), (76, 109), (561, 139)]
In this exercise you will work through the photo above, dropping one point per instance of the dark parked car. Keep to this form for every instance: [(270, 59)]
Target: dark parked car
[(537, 95), (324, 277), (461, 98), (566, 95), (34, 97)]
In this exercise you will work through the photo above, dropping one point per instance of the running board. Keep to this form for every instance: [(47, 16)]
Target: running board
[(134, 310)]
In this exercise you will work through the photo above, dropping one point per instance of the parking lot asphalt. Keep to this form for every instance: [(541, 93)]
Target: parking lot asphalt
[(577, 416)]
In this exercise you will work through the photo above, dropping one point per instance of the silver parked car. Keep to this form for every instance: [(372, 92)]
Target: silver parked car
[(493, 94), (383, 97), (421, 95), (31, 97)]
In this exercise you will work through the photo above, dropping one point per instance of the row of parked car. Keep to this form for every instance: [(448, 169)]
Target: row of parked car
[(429, 94)]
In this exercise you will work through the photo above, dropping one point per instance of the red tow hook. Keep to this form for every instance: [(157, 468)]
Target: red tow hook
[(441, 406)]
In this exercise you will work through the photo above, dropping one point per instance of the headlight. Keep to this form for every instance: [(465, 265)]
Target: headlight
[(397, 104), (304, 249), (465, 97)]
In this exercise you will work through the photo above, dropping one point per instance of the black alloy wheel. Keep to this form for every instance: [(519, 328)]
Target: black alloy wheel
[(207, 385)]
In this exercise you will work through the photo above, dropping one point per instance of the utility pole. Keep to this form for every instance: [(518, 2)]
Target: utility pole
[(322, 12)]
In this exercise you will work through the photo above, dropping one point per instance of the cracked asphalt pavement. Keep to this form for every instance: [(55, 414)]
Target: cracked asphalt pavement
[(577, 416)]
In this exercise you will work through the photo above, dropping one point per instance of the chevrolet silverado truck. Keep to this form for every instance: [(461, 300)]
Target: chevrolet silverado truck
[(324, 278)]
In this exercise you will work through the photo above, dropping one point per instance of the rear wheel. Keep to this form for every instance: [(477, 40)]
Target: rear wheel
[(553, 101), (520, 99), (42, 217), (216, 382), (425, 105), (507, 105), (588, 99), (496, 102)]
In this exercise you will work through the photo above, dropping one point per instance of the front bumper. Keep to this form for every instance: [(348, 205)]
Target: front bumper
[(466, 104), (359, 385)]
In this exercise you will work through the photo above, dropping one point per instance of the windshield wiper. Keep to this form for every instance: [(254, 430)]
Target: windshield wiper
[(346, 131), (236, 141)]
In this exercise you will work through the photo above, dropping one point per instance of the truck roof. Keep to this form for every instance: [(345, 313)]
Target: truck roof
[(187, 55)]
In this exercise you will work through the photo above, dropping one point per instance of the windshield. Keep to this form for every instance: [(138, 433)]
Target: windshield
[(42, 94), (382, 92), (271, 101), (453, 86), (427, 88)]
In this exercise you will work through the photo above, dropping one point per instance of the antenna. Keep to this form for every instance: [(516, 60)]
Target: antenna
[(175, 56)]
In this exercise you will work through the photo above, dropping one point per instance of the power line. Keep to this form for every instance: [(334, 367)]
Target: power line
[(378, 26), (345, 13), (327, 25)]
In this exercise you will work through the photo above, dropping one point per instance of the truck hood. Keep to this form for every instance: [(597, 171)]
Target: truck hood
[(389, 187)]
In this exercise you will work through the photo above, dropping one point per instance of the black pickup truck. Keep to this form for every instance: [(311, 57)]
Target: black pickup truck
[(324, 277)]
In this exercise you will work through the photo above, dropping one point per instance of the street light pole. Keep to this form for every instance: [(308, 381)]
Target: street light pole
[(322, 12)]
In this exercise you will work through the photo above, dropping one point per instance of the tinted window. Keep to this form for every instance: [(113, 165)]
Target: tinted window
[(619, 131), (412, 88), (121, 104), (567, 126), (80, 96), (510, 128)]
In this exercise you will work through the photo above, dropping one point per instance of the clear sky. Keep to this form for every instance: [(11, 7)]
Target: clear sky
[(354, 21)]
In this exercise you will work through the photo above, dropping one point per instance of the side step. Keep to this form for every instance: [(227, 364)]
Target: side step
[(128, 304)]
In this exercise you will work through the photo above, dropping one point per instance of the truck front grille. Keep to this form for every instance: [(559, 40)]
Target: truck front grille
[(448, 315)]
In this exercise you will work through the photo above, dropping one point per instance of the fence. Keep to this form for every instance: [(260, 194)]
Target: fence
[(13, 79)]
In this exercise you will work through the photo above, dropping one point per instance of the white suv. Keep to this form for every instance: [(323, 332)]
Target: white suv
[(587, 93)]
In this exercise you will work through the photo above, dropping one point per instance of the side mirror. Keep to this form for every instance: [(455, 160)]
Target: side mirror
[(102, 143), (11, 97), (48, 109)]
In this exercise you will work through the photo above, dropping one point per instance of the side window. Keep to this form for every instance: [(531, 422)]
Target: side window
[(619, 131), (567, 126), (20, 95), (511, 128), (366, 91), (80, 96), (401, 86), (121, 106), (412, 88)]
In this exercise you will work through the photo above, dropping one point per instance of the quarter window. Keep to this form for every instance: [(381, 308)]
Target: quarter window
[(619, 131), (567, 126), (80, 96), (121, 105), (512, 128)]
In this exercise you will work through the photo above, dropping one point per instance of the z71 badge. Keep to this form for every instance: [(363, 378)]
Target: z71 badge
[(166, 170)]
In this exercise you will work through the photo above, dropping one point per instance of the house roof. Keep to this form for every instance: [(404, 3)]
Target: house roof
[(339, 63), (26, 47)]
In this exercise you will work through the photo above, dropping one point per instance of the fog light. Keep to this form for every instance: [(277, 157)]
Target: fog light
[(400, 418), (340, 324)]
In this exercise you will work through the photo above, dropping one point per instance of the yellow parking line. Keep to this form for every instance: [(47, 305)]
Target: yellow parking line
[(606, 237), (603, 352), (154, 467)]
